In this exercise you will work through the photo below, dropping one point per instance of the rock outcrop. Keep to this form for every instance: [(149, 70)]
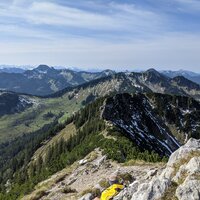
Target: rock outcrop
[(180, 178), (87, 179), (190, 189)]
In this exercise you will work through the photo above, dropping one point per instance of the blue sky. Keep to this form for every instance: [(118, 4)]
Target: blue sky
[(115, 34)]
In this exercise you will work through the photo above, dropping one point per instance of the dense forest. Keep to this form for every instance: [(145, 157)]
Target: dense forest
[(11, 102), (181, 111)]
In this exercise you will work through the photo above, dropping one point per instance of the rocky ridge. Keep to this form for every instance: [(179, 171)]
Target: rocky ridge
[(155, 121), (45, 80), (86, 179), (179, 180)]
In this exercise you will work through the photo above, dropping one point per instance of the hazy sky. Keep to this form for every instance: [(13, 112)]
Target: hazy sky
[(116, 34)]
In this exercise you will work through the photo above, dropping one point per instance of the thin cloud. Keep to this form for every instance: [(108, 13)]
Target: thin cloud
[(104, 34), (176, 51), (189, 5), (48, 13)]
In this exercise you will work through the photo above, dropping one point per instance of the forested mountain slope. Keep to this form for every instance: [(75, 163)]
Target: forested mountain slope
[(11, 103), (148, 81), (95, 127)]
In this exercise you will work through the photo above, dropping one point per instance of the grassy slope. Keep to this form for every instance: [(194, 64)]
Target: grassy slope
[(12, 126)]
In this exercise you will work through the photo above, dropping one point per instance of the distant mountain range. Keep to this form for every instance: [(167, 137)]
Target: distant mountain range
[(12, 70), (148, 81), (195, 77), (44, 80)]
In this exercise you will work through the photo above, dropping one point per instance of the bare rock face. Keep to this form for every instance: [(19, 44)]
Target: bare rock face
[(192, 167), (190, 189), (153, 189), (180, 178), (191, 145)]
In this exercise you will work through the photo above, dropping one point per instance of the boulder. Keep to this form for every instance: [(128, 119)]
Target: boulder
[(88, 196), (192, 167), (189, 190), (191, 145), (155, 185), (127, 193), (100, 161), (82, 162), (151, 191)]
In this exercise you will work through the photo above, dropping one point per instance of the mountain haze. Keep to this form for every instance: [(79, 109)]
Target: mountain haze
[(45, 80), (195, 77)]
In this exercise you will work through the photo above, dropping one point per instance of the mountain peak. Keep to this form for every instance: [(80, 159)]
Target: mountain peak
[(154, 76), (154, 72), (182, 81), (108, 72), (193, 76), (43, 67), (179, 78)]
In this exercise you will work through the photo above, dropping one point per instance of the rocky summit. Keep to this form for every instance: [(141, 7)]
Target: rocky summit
[(87, 179), (180, 179)]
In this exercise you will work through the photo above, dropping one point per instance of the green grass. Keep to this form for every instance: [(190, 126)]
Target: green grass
[(104, 183), (134, 162), (32, 119)]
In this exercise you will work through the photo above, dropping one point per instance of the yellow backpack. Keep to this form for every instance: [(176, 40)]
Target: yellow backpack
[(111, 192)]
